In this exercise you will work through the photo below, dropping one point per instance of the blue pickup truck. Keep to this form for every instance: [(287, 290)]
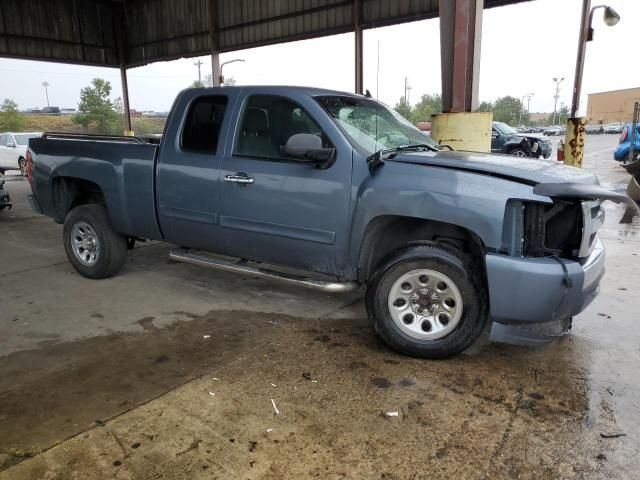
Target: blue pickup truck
[(337, 192)]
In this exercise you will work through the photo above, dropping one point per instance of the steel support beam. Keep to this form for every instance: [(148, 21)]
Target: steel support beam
[(357, 29), (125, 99), (212, 11), (460, 32), (119, 29)]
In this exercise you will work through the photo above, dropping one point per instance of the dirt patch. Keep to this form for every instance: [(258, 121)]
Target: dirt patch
[(85, 383)]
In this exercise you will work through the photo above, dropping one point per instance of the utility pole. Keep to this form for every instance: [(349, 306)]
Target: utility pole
[(557, 81), (405, 89), (46, 92), (199, 64)]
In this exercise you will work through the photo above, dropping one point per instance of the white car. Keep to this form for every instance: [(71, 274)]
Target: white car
[(13, 149)]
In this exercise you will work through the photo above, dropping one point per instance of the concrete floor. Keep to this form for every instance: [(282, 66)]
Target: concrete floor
[(115, 378)]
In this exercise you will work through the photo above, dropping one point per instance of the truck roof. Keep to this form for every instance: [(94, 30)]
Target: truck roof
[(283, 89)]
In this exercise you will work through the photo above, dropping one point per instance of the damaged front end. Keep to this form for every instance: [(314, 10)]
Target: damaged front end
[(551, 251)]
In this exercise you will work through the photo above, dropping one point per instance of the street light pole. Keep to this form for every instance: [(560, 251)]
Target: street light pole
[(225, 63), (557, 81), (46, 92), (574, 138), (611, 18), (528, 95)]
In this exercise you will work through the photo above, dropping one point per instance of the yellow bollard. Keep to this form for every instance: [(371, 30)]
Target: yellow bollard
[(574, 142), (463, 131), (129, 133)]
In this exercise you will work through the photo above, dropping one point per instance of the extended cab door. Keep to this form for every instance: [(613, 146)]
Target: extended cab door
[(284, 211), (187, 191)]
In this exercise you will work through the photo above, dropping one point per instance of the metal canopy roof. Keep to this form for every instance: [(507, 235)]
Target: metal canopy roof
[(102, 32)]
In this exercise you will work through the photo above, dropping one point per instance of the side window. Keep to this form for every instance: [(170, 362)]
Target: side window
[(204, 122), (3, 140), (268, 122)]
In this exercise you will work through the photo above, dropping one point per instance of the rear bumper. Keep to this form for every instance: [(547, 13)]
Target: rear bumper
[(534, 290)]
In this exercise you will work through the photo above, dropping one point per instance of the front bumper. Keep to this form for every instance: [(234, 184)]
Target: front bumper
[(535, 290)]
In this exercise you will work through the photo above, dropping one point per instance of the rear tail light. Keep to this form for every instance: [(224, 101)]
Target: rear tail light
[(624, 135), (29, 166)]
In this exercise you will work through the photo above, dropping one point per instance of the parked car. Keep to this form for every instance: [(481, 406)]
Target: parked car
[(344, 191), (621, 153), (5, 200), (51, 111), (594, 129), (505, 139), (613, 128), (13, 149), (555, 130)]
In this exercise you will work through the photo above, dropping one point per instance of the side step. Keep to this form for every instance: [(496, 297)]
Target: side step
[(242, 266)]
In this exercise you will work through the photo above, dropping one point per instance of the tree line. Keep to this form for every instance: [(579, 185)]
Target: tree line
[(507, 109)]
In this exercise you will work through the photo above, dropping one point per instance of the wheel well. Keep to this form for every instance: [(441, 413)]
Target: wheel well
[(69, 192), (386, 234)]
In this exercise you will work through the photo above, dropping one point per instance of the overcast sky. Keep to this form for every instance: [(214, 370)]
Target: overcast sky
[(523, 47)]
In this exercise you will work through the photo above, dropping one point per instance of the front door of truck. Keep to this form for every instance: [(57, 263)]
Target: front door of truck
[(187, 173), (274, 208)]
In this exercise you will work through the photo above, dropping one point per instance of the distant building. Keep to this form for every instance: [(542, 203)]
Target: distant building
[(613, 106)]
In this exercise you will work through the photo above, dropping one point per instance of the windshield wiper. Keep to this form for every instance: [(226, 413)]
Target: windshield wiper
[(376, 159)]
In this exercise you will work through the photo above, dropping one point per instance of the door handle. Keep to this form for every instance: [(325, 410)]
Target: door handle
[(242, 178)]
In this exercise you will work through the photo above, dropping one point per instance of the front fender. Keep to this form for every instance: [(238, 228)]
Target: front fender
[(473, 201)]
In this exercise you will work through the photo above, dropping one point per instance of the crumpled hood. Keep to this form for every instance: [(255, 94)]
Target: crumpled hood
[(519, 169)]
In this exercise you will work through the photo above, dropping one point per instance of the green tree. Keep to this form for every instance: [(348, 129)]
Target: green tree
[(427, 106), (97, 110), (485, 107), (207, 81), (403, 108), (507, 109), (10, 118)]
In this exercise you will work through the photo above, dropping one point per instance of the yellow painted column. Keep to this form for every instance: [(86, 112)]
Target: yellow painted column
[(574, 142), (129, 133), (469, 131)]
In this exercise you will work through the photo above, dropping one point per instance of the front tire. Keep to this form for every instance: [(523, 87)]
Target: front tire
[(518, 152), (428, 301), (93, 247)]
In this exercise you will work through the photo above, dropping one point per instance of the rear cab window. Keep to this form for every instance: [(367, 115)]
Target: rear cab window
[(267, 122), (201, 131)]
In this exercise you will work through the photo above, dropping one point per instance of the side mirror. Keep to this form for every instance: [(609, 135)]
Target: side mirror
[(308, 147)]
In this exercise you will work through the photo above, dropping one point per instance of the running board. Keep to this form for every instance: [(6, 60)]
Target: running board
[(242, 266)]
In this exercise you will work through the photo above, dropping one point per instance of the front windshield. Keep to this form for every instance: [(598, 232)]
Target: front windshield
[(504, 128), (370, 125), (23, 139)]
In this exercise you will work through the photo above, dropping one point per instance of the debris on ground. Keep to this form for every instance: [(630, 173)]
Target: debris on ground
[(216, 379), (269, 430), (613, 435), (392, 414), (206, 336), (274, 385), (274, 406), (212, 394), (306, 376)]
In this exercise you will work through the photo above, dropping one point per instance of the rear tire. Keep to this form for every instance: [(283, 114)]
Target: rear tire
[(443, 313), (93, 247)]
